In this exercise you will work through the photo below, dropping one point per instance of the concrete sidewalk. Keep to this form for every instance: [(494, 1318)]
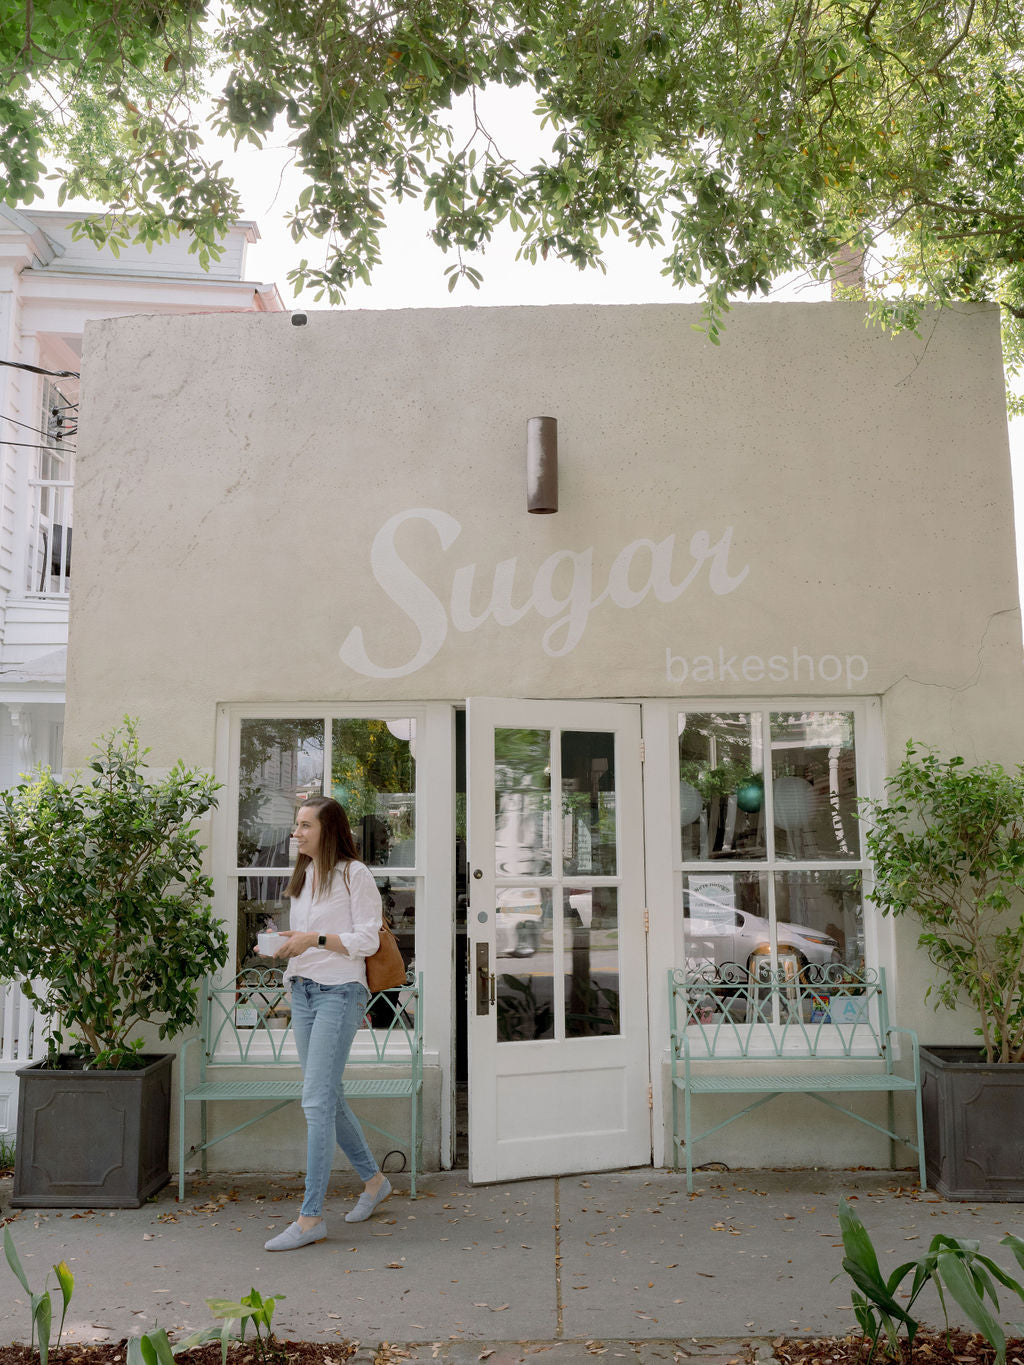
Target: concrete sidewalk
[(623, 1263)]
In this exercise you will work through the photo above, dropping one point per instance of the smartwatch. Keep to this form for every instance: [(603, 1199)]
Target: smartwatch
[(322, 941)]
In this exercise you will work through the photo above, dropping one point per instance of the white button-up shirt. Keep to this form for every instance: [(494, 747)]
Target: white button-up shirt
[(352, 912)]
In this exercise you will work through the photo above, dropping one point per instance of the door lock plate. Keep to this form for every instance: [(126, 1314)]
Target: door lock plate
[(483, 979)]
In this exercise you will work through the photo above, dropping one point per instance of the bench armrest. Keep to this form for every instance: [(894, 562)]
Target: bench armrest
[(915, 1047), (182, 1057)]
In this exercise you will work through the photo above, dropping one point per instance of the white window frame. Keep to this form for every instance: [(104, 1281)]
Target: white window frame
[(666, 866), (771, 864), (432, 872), (867, 737)]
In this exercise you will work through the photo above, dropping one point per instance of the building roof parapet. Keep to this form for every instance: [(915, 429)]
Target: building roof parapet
[(42, 241)]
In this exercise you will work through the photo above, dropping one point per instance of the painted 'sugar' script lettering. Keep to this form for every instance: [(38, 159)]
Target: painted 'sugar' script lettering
[(641, 568)]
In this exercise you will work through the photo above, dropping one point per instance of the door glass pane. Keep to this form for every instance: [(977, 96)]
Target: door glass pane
[(522, 802), (524, 957), (373, 775), (281, 764), (814, 780), (725, 920), (590, 929), (588, 802), (721, 787), (821, 918)]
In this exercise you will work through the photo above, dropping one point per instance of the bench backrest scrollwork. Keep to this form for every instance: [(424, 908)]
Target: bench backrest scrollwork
[(724, 1009), (247, 1022)]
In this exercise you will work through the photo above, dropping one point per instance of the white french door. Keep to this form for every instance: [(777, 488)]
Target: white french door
[(558, 1037)]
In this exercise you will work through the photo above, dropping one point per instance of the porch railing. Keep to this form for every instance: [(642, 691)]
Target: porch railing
[(49, 548), (23, 1039), (22, 1028)]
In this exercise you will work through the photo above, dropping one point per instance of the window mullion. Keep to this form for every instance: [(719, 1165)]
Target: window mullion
[(558, 872), (769, 789), (327, 780)]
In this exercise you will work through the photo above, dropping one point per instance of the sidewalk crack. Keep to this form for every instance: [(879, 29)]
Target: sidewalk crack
[(559, 1328)]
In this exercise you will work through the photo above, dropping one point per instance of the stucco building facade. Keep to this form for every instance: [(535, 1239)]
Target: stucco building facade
[(594, 744)]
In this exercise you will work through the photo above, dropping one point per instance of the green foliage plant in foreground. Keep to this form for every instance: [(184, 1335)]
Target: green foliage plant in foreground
[(41, 1305), (954, 1265), (254, 1308), (105, 912), (947, 843), (154, 1348)]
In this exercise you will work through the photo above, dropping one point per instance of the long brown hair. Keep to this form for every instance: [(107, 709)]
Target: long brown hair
[(336, 846)]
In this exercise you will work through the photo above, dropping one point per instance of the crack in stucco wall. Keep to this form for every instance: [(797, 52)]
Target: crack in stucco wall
[(955, 690)]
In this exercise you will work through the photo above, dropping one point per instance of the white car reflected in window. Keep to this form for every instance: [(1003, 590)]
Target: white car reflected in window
[(724, 934)]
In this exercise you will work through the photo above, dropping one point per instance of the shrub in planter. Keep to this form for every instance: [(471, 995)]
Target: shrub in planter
[(105, 913), (947, 843)]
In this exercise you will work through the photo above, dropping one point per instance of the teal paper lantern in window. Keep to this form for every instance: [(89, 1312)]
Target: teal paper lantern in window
[(750, 795), (691, 803)]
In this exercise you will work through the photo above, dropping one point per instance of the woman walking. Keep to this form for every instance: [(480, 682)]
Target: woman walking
[(336, 919)]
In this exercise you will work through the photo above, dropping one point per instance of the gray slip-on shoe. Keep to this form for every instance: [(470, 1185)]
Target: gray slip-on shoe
[(295, 1236), (366, 1203)]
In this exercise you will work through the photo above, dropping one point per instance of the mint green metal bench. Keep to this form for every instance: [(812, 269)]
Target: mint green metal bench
[(247, 1023), (771, 1033)]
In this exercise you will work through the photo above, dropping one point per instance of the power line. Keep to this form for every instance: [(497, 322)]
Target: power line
[(58, 436), (38, 445), (34, 369)]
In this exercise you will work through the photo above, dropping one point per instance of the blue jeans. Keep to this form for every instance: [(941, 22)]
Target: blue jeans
[(324, 1021)]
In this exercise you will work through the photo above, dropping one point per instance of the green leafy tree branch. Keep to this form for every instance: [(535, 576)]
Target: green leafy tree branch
[(745, 141)]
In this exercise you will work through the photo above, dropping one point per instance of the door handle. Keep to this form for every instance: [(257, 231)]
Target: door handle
[(484, 980)]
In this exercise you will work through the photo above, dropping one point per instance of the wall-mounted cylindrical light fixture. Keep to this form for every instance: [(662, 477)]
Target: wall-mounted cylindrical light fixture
[(542, 465)]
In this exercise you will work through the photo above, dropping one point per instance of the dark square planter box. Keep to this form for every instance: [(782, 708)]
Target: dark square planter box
[(96, 1139), (973, 1121)]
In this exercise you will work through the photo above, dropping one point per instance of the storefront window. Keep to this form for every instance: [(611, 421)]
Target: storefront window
[(802, 812), (814, 785), (373, 775), (365, 763), (262, 908), (398, 895), (828, 909), (721, 785), (726, 917), (280, 765)]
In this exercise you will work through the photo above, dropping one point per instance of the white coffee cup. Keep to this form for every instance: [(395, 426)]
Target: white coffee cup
[(269, 944)]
